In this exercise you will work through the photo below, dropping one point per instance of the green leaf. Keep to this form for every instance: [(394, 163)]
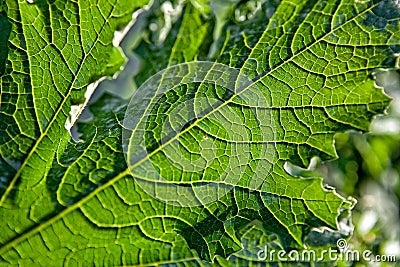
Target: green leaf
[(55, 50), (76, 203), (5, 28)]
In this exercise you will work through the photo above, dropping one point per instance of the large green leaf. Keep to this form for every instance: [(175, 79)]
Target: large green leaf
[(77, 203)]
